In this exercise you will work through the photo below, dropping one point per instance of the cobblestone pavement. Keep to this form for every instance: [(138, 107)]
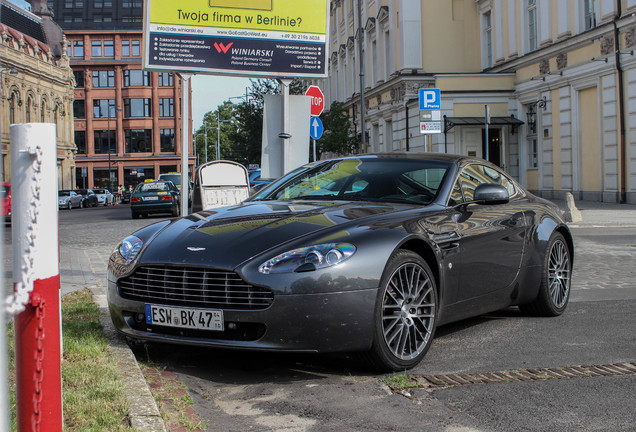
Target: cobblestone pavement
[(600, 265)]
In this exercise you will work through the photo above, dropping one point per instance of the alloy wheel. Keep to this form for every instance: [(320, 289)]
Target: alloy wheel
[(559, 273), (408, 311)]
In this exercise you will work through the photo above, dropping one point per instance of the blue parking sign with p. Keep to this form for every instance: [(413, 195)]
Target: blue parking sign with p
[(430, 99)]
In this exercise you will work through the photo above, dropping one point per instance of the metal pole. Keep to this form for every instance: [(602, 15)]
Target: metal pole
[(487, 120), (110, 186), (314, 142), (218, 135), (36, 275), (206, 142), (185, 140), (285, 83), (362, 120)]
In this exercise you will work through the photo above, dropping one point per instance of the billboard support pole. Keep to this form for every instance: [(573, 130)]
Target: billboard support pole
[(285, 135), (185, 140)]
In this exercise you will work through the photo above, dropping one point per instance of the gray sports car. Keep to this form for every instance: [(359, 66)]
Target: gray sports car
[(368, 253)]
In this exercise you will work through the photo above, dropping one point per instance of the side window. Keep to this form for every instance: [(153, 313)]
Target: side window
[(500, 179), (474, 175), (456, 195), (469, 179)]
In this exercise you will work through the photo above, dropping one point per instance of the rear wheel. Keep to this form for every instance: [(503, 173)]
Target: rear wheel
[(405, 313), (554, 292), (135, 215)]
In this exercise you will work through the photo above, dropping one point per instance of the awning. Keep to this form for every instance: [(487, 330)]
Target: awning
[(451, 122)]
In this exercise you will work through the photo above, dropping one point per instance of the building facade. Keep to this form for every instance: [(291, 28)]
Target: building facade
[(36, 84), (555, 75), (127, 121)]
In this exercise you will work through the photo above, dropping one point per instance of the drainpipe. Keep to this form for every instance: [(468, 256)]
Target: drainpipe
[(360, 51), (621, 111)]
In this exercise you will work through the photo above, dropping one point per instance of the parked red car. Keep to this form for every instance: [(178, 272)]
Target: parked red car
[(5, 194)]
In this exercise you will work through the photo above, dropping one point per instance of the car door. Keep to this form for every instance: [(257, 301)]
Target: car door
[(491, 236)]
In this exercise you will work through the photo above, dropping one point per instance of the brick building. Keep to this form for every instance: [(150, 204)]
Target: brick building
[(127, 121)]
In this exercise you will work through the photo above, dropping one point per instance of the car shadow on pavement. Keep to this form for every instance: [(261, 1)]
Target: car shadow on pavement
[(246, 367)]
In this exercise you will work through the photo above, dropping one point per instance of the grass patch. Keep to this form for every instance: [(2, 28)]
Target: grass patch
[(400, 381), (93, 399)]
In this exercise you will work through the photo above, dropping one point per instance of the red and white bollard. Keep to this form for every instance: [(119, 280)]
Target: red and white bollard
[(36, 276)]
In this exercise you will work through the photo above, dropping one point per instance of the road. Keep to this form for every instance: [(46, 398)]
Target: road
[(239, 391)]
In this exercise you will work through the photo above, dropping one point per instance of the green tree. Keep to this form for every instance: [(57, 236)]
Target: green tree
[(337, 137), (226, 114), (241, 124)]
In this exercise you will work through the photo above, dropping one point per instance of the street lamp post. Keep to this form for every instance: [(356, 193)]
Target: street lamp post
[(110, 177)]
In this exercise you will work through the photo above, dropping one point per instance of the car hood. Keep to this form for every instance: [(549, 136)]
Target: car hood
[(229, 236)]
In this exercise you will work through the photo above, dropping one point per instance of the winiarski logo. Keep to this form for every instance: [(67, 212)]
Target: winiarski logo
[(220, 48)]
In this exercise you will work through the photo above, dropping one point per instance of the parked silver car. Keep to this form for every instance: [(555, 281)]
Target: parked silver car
[(67, 199)]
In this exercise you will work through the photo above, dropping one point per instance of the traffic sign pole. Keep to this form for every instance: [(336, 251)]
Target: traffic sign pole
[(314, 142)]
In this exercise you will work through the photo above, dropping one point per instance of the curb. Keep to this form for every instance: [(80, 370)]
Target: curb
[(143, 412)]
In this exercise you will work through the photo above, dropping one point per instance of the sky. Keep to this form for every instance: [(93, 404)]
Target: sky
[(208, 91)]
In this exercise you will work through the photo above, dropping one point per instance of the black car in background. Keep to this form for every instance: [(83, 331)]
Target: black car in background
[(369, 253), (89, 199)]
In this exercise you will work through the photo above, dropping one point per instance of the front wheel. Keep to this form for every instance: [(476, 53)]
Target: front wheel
[(405, 313), (556, 277), (70, 205)]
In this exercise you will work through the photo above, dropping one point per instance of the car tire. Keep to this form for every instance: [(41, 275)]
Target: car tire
[(70, 205), (175, 212), (135, 215), (405, 313), (556, 279)]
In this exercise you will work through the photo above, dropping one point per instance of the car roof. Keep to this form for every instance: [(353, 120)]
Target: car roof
[(423, 156)]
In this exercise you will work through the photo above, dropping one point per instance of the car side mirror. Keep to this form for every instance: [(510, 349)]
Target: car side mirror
[(490, 194)]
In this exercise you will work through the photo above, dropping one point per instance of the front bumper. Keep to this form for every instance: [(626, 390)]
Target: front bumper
[(327, 322)]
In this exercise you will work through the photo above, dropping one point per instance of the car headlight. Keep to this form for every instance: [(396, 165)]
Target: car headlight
[(127, 250), (308, 258), (63, 200)]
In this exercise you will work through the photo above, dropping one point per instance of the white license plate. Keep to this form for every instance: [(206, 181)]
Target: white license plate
[(204, 319), (151, 198)]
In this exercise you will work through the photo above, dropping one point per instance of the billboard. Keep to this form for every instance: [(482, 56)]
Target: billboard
[(273, 38)]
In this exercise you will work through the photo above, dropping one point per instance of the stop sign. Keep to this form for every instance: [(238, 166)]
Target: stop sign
[(317, 100)]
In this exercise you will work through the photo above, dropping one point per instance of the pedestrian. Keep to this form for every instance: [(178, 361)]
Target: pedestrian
[(120, 191)]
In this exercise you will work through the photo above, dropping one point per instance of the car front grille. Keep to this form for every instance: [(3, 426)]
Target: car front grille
[(193, 287)]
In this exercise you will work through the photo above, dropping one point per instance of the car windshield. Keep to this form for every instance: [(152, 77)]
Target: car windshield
[(99, 191), (64, 193), (174, 178), (82, 191), (152, 187), (365, 179)]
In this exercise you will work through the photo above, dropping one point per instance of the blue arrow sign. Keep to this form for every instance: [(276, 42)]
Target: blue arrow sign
[(316, 128)]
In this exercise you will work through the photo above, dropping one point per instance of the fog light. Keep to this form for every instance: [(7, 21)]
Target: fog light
[(232, 326), (140, 317)]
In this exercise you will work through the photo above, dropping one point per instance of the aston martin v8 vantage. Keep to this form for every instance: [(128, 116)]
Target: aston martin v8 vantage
[(368, 253)]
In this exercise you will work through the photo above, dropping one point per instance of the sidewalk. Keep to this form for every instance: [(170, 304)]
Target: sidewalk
[(602, 214), (86, 268)]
